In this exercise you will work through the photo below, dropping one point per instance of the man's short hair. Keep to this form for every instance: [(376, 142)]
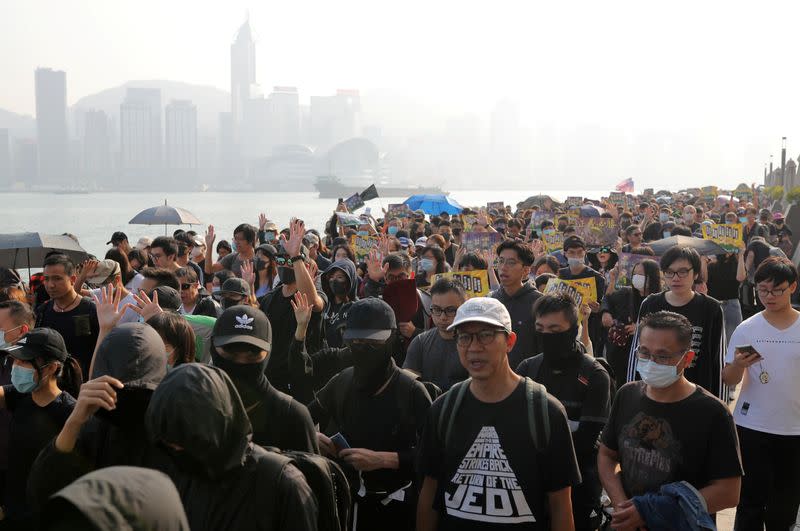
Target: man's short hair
[(19, 312), (248, 231), (777, 269), (162, 276), (680, 230), (447, 285), (678, 252), (664, 320), (549, 260), (398, 261), (514, 223), (188, 273), (524, 253), (166, 244), (62, 260), (555, 303)]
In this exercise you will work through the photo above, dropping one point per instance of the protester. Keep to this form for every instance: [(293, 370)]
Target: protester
[(73, 316), (632, 238), (178, 337), (476, 456), (575, 252), (164, 253), (681, 267), (379, 410), (266, 270), (340, 284), (783, 234), (194, 299), (723, 286), (763, 352), (130, 278), (225, 481), (431, 262), (669, 456), (120, 241), (433, 355), (755, 253)]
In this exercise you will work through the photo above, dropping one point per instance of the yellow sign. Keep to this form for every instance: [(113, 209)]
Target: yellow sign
[(583, 290), (476, 283), (729, 237), (362, 245), (553, 240)]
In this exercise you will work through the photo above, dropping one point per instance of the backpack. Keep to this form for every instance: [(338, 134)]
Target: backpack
[(329, 485), (585, 370), (535, 397)]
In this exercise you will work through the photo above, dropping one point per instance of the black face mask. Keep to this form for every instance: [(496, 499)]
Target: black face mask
[(227, 302), (372, 366), (185, 462), (286, 274), (457, 231), (339, 287), (562, 226), (248, 378), (559, 347), (132, 404)]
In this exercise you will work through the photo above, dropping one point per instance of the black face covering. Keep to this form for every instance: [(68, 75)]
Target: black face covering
[(248, 378), (457, 231), (562, 226), (339, 287), (185, 462), (372, 365), (286, 274), (559, 347), (132, 404)]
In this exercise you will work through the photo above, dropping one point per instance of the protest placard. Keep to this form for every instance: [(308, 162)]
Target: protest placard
[(495, 205), (586, 287), (398, 210), (478, 241), (553, 240), (354, 202), (362, 245), (556, 285), (540, 216), (349, 220), (476, 283), (597, 232), (573, 201), (729, 237), (617, 199), (626, 263)]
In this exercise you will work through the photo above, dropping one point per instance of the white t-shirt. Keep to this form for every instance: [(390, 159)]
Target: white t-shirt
[(129, 316), (773, 407), (134, 283)]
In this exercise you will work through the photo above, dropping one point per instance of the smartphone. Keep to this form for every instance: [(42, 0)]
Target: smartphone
[(748, 349), (339, 441)]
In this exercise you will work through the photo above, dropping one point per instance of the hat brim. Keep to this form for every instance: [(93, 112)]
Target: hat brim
[(250, 340), (367, 333), (477, 319), (20, 352)]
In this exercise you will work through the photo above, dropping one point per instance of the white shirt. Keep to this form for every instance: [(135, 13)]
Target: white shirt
[(134, 283), (773, 407)]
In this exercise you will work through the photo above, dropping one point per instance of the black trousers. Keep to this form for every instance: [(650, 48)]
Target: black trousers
[(586, 499), (771, 484)]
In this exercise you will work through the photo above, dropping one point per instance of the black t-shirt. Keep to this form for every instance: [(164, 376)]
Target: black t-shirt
[(280, 421), (721, 281), (333, 323), (78, 327), (233, 263), (32, 428), (691, 440), (490, 474)]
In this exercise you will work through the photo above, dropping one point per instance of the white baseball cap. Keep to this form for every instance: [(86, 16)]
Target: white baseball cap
[(482, 310)]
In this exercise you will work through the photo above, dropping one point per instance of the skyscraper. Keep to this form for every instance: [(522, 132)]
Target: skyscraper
[(284, 116), (51, 127), (181, 142), (140, 135), (243, 71), (96, 165), (334, 119)]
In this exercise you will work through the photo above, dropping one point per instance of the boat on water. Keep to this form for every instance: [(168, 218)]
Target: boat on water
[(330, 186)]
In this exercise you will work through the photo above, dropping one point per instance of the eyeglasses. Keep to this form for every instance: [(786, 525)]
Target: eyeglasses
[(777, 292), (450, 311), (184, 287), (485, 337), (682, 273), (510, 262), (660, 359)]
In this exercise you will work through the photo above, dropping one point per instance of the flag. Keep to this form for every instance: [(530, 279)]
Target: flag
[(625, 186), (353, 203), (369, 193)]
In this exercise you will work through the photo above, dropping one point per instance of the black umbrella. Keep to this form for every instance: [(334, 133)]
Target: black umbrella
[(165, 215), (703, 247), (28, 249)]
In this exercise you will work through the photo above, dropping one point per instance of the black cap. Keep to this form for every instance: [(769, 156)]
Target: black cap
[(370, 318), (235, 286), (39, 343), (267, 249), (117, 237), (242, 324), (574, 241), (168, 298)]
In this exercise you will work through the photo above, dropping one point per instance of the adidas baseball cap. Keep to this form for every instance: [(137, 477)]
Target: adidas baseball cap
[(482, 310), (242, 324)]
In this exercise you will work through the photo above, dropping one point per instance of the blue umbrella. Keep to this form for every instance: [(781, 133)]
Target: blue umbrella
[(433, 204)]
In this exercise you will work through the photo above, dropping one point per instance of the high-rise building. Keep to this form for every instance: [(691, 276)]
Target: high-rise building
[(6, 179), (96, 165), (243, 71), (26, 161), (181, 142), (334, 119), (140, 135), (51, 127), (284, 120), (229, 160)]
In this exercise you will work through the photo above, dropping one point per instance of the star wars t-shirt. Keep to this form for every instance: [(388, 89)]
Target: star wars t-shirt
[(490, 474), (691, 440)]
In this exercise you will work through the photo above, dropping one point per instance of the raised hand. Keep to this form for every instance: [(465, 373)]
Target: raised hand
[(313, 268), (302, 309), (375, 270), (262, 221), (108, 311), (145, 307), (210, 237), (297, 229), (248, 272)]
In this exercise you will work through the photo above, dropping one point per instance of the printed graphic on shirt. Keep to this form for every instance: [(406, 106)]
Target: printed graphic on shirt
[(650, 452), (697, 342), (484, 487)]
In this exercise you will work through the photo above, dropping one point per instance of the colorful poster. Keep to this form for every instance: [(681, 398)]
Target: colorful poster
[(729, 237), (398, 210), (479, 241), (349, 220), (362, 245), (553, 240), (573, 201), (597, 232), (495, 205), (354, 202), (557, 285), (626, 263), (617, 199), (539, 216), (585, 287), (476, 283)]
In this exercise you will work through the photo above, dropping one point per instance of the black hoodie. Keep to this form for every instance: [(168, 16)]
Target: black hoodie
[(335, 315), (225, 481)]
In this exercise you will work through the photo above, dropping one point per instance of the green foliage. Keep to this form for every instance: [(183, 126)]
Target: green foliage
[(793, 195), (775, 193)]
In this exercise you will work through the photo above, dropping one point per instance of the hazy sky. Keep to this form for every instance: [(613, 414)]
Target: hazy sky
[(721, 76)]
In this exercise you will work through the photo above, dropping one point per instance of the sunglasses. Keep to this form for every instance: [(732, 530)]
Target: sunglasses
[(186, 286)]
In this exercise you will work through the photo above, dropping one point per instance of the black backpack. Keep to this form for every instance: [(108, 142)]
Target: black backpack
[(535, 397), (329, 485), (586, 369)]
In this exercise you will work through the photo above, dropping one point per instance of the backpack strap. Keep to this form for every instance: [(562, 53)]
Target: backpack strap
[(538, 416), (452, 401)]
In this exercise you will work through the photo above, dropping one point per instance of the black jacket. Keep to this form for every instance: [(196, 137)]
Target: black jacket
[(224, 480), (520, 307)]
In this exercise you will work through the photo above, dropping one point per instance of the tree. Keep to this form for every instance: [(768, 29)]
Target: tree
[(775, 193), (793, 195)]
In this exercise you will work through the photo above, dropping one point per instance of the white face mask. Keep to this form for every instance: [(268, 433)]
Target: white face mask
[(575, 262), (638, 281), (3, 342), (656, 375)]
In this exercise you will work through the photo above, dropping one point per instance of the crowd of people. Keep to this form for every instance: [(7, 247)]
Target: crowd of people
[(287, 379)]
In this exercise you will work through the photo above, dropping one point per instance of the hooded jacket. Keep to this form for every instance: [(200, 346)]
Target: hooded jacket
[(224, 481), (121, 497), (134, 354), (520, 308), (335, 316)]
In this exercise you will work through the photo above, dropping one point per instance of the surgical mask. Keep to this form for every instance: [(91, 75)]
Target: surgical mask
[(233, 245), (663, 217), (197, 252), (372, 366), (215, 289), (22, 379), (743, 220), (426, 264), (269, 236), (339, 287), (392, 231), (730, 221), (575, 262), (657, 375), (666, 234), (3, 342), (559, 347), (363, 233), (286, 274), (638, 281)]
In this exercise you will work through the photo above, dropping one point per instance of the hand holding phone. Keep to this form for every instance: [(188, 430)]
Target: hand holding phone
[(746, 355), (339, 441)]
